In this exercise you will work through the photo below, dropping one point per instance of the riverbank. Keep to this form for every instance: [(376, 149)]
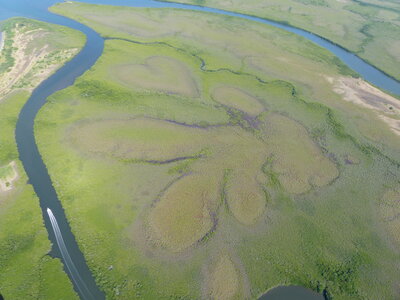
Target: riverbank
[(363, 29), (360, 92), (30, 59), (25, 264), (291, 293), (1, 41)]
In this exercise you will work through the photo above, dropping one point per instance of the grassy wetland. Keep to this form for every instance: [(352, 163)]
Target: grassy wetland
[(211, 157), (365, 27), (27, 269)]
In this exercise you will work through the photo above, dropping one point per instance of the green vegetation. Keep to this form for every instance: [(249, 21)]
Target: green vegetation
[(27, 269), (390, 212), (6, 171), (152, 76), (6, 59), (27, 41), (369, 28), (237, 99), (231, 155)]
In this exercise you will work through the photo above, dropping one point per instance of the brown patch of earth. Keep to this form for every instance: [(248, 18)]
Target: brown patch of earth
[(6, 183), (360, 92), (26, 59)]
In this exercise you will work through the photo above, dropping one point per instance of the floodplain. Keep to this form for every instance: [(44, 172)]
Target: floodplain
[(369, 28), (192, 166)]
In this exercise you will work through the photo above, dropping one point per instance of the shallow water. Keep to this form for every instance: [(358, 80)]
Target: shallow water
[(31, 159)]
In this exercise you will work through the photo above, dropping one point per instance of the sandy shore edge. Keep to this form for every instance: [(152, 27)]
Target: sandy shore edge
[(2, 34)]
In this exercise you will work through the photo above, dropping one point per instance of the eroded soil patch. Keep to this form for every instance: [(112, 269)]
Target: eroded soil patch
[(362, 93), (8, 174)]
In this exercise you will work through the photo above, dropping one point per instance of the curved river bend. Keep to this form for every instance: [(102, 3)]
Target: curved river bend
[(64, 243), (64, 246)]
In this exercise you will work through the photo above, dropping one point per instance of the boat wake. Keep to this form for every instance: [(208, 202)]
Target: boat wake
[(79, 283)]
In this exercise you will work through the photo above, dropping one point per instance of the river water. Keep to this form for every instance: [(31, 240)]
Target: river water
[(291, 292), (37, 173), (63, 240)]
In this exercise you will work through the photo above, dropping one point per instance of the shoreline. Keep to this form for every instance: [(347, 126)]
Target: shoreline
[(2, 34), (295, 288), (284, 23)]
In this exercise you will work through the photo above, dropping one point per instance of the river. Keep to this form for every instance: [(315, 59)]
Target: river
[(63, 240)]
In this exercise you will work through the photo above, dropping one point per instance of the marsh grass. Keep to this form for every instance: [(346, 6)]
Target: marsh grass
[(6, 171), (238, 99), (224, 280), (158, 73), (363, 27), (390, 212), (274, 191), (25, 266)]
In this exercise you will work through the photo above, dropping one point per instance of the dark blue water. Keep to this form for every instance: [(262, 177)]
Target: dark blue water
[(365, 70), (84, 284), (291, 293)]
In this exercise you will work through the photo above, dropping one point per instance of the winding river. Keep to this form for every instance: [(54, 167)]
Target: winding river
[(64, 243)]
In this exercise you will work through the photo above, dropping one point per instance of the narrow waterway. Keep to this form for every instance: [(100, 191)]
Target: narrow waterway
[(366, 70), (55, 220), (74, 262)]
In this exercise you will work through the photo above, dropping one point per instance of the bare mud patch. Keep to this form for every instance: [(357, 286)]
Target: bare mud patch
[(8, 174), (362, 93), (31, 62), (2, 38)]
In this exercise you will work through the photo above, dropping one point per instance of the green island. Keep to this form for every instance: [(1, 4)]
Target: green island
[(27, 271), (213, 157), (365, 27)]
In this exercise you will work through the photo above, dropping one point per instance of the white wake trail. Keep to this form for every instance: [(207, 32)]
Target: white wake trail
[(79, 283)]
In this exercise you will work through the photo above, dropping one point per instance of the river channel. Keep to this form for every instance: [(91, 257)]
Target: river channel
[(63, 240)]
